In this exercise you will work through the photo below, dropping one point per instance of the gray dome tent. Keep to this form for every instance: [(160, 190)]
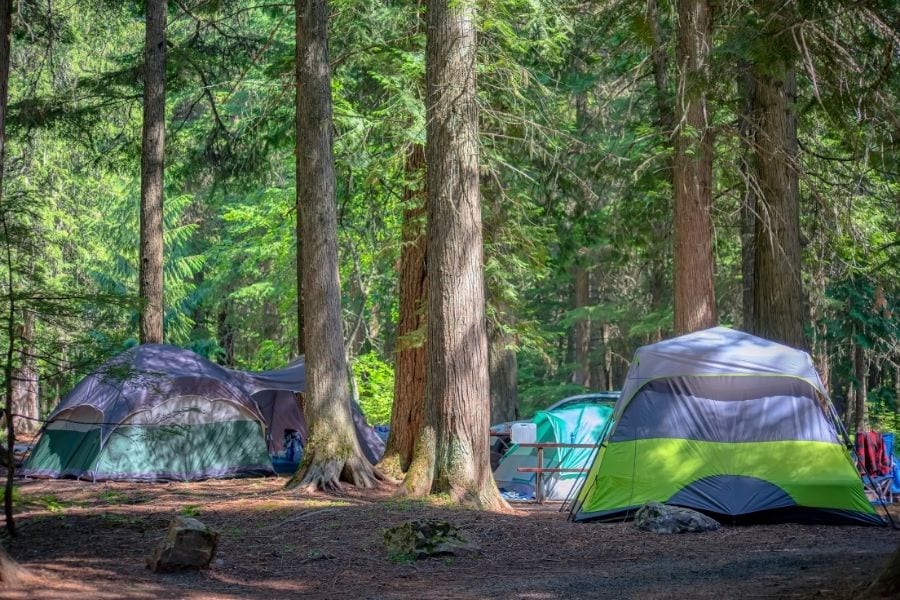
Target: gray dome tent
[(158, 413)]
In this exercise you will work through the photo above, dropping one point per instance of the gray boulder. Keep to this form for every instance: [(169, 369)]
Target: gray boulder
[(414, 540), (662, 518), (189, 544)]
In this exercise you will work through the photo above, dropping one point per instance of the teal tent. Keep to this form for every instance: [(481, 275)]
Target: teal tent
[(573, 423)]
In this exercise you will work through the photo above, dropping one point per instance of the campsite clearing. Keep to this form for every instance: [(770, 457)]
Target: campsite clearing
[(83, 540)]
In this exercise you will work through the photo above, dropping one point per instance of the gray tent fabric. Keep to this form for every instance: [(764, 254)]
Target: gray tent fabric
[(722, 409), (147, 375), (716, 351), (279, 408), (293, 378), (164, 388)]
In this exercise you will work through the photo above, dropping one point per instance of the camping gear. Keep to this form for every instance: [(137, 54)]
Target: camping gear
[(576, 423), (875, 462), (729, 424), (523, 433), (157, 413)]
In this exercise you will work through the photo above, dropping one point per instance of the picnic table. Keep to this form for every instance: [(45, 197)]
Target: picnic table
[(539, 470)]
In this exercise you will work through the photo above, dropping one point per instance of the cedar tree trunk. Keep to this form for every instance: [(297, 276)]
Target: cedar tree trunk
[(504, 366), (5, 31), (408, 409), (332, 452), (581, 334), (695, 297), (25, 380), (298, 223), (660, 244), (452, 452), (152, 157), (746, 85), (777, 288), (860, 410)]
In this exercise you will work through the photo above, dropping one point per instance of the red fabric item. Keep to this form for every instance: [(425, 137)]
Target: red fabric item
[(870, 453)]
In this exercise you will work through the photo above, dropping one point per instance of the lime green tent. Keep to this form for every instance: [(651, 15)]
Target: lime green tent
[(573, 423), (730, 424)]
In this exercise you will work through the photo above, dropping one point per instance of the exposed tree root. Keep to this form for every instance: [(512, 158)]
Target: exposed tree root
[(10, 571), (389, 465), (329, 474)]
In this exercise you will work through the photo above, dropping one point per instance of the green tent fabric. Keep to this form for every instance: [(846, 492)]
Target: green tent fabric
[(182, 439), (729, 424), (154, 413), (578, 423)]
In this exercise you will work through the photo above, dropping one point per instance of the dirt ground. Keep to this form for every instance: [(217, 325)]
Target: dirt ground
[(83, 540)]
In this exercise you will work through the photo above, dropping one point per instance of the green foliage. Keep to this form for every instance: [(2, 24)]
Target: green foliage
[(575, 176), (375, 380)]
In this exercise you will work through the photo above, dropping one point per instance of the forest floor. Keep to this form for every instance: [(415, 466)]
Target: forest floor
[(83, 540)]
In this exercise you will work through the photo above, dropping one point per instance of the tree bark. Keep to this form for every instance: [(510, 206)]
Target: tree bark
[(504, 365), (298, 223), (660, 70), (777, 287), (659, 251), (452, 453), (581, 334), (695, 297), (25, 380), (746, 85), (152, 169), (332, 453), (225, 333), (408, 409), (5, 34), (860, 396)]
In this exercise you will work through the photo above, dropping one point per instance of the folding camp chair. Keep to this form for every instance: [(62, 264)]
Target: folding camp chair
[(875, 461)]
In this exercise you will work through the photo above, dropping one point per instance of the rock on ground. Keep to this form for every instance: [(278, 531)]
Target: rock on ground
[(189, 544), (426, 538), (662, 518)]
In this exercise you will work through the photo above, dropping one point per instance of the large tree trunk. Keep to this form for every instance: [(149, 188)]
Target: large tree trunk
[(5, 31), (860, 396), (225, 333), (695, 296), (746, 85), (298, 223), (452, 451), (332, 452), (152, 157), (409, 373), (660, 244), (777, 287), (581, 332), (504, 365), (25, 380)]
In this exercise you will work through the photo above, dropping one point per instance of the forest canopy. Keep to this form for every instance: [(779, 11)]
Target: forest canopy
[(582, 124)]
